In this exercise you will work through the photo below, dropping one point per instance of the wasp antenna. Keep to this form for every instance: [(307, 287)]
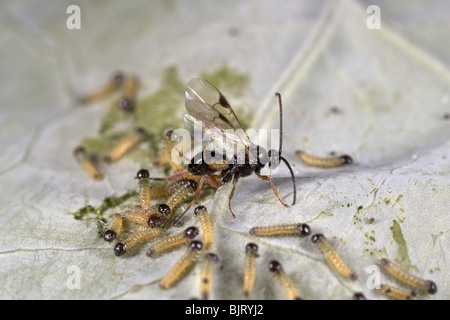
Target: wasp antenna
[(280, 150), (294, 187)]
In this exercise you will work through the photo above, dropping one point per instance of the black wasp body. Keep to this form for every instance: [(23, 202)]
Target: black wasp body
[(234, 155), (234, 169)]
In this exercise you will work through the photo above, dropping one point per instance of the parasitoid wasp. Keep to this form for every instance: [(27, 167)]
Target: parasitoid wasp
[(230, 154)]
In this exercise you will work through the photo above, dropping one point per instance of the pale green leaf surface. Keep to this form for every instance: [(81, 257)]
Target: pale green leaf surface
[(390, 85)]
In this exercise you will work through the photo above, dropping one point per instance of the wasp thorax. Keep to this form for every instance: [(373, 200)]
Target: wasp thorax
[(199, 164), (197, 169)]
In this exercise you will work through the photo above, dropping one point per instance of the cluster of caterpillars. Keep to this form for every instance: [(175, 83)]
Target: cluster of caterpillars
[(154, 220), (200, 250), (275, 267), (334, 260), (150, 222), (416, 285), (128, 85), (90, 166)]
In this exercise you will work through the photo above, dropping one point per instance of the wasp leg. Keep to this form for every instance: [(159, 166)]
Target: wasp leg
[(186, 175), (267, 178), (212, 181), (180, 175), (196, 196), (235, 180)]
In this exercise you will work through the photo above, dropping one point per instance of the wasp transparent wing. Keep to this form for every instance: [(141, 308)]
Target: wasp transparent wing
[(209, 137), (210, 113), (206, 103)]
